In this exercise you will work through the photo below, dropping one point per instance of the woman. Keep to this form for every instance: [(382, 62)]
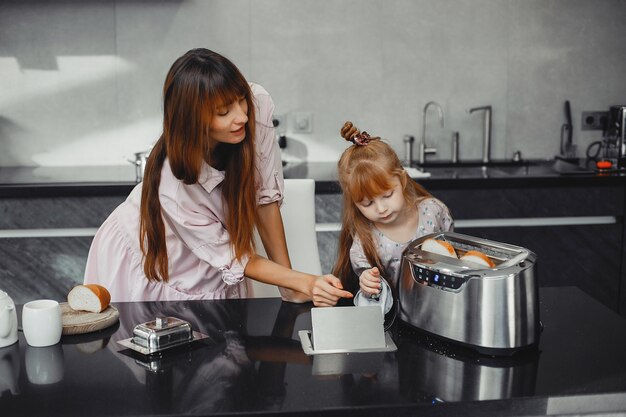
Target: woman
[(186, 232)]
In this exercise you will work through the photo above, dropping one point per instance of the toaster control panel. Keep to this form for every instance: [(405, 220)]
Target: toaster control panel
[(437, 279)]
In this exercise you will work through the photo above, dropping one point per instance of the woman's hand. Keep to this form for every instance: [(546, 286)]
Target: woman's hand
[(298, 287), (327, 290), (369, 281)]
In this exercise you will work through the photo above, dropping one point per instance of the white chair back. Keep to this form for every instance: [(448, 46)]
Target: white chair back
[(298, 213)]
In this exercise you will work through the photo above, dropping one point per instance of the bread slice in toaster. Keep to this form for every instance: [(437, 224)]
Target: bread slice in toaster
[(478, 257), (440, 247)]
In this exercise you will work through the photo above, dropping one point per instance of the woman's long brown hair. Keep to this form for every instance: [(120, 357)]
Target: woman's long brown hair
[(367, 171), (196, 84)]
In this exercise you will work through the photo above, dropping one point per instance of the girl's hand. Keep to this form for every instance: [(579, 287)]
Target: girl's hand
[(369, 281), (327, 290)]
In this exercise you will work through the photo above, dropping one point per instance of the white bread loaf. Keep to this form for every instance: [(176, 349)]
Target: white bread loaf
[(439, 247), (478, 257), (89, 297)]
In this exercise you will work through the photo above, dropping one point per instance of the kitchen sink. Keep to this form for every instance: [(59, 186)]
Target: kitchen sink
[(477, 169), (464, 171), (502, 168), (480, 164), (565, 167), (325, 171)]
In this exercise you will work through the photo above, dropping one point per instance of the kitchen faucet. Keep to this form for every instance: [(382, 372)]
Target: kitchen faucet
[(423, 149), (486, 131), (408, 150)]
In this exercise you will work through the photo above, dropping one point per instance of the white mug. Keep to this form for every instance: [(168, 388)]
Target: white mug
[(44, 365), (41, 322)]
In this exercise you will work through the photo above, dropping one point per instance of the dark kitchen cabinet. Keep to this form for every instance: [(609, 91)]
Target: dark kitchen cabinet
[(511, 235), (586, 255), (533, 202), (49, 257), (42, 267), (56, 212)]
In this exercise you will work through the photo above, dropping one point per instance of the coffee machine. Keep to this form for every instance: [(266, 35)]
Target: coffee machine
[(615, 138)]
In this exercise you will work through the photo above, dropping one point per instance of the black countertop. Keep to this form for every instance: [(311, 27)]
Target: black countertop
[(119, 180), (252, 363)]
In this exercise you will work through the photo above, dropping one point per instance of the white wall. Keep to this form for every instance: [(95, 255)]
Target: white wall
[(80, 80)]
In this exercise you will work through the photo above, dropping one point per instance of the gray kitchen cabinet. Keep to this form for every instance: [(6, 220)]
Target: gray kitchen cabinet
[(576, 231), (557, 223), (588, 256), (46, 241), (56, 212), (328, 218), (42, 267)]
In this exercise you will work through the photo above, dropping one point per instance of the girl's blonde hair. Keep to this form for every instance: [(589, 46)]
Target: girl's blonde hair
[(365, 172)]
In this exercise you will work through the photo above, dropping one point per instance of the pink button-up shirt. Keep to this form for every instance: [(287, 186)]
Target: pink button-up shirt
[(201, 262)]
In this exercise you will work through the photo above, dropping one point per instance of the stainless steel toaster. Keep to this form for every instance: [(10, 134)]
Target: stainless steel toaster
[(493, 310)]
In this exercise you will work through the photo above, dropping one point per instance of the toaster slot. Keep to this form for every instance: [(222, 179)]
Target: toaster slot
[(496, 256), (502, 255)]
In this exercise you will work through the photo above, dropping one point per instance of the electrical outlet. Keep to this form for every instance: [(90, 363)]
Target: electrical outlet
[(280, 122), (303, 122), (594, 120)]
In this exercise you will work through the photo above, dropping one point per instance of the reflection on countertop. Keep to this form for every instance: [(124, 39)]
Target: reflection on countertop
[(67, 174), (319, 171), (66, 181), (251, 363), (517, 169)]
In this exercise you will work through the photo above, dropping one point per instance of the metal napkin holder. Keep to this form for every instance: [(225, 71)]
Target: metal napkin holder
[(161, 334), (346, 330)]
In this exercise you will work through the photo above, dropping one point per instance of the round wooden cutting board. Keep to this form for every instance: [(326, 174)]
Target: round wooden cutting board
[(79, 322)]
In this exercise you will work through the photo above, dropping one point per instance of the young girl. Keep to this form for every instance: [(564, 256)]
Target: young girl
[(384, 210), (214, 175)]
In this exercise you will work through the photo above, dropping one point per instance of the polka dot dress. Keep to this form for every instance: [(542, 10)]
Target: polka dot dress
[(434, 217)]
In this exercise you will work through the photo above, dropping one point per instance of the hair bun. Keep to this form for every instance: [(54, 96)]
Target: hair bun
[(349, 131), (354, 135)]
